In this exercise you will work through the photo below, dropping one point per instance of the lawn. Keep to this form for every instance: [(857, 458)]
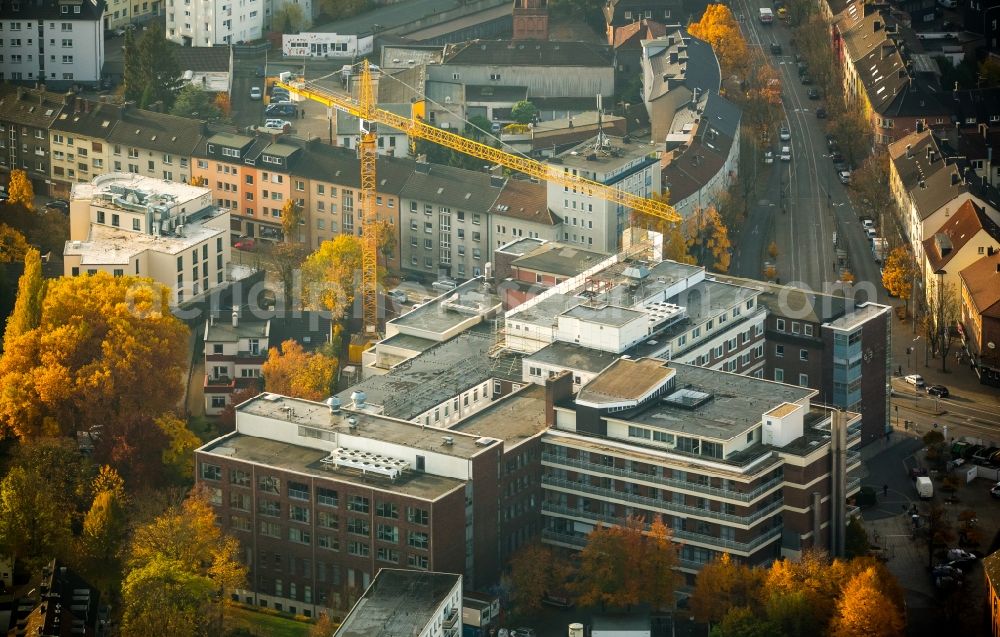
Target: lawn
[(263, 625)]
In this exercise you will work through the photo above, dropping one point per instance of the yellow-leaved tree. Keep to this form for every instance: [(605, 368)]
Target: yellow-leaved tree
[(897, 276), (708, 239), (30, 292), (106, 357), (20, 190), (329, 274), (190, 564), (13, 245), (719, 28), (864, 611), (295, 372)]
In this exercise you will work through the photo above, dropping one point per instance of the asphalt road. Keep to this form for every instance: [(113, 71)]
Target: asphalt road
[(802, 203)]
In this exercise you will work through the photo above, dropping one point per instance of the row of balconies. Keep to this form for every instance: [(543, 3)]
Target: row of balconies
[(745, 520), (684, 485)]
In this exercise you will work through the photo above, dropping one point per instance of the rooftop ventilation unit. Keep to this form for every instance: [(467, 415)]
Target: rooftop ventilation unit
[(448, 440)]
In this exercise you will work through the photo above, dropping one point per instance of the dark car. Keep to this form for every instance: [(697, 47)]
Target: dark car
[(803, 69), (938, 390), (837, 158), (58, 204), (813, 94), (806, 79), (280, 110), (259, 72), (775, 48), (820, 113)]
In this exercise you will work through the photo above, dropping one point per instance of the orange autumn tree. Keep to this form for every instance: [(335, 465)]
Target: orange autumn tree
[(722, 585), (719, 28), (863, 610), (535, 571), (295, 372)]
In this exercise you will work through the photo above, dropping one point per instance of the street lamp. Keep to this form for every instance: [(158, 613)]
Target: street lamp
[(910, 350)]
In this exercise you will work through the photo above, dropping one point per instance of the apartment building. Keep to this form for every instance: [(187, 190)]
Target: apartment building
[(966, 237), (522, 211), (834, 346), (399, 602), (322, 497), (732, 464), (56, 42), (153, 144), (445, 222), (591, 222), (25, 118), (122, 223), (621, 13), (979, 326), (78, 140), (208, 23)]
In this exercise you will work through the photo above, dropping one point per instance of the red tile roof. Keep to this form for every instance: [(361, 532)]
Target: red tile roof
[(525, 200)]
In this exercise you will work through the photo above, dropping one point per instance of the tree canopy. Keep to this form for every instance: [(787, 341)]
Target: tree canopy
[(193, 102), (719, 28), (524, 112), (151, 71), (294, 372), (897, 276), (19, 190), (329, 273), (30, 291)]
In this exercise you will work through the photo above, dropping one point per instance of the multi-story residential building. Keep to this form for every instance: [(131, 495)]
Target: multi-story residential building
[(829, 344), (547, 69), (25, 118), (322, 497), (627, 42), (621, 13), (399, 602), (66, 605), (58, 42), (703, 151), (79, 145), (980, 322), (236, 348), (522, 211), (677, 69), (927, 188), (445, 221), (216, 21), (591, 222), (122, 223), (120, 13), (154, 144), (732, 464), (965, 238)]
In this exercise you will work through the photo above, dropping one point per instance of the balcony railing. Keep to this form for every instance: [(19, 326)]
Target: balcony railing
[(690, 536), (655, 503), (450, 619), (742, 496), (219, 381), (853, 484), (853, 457)]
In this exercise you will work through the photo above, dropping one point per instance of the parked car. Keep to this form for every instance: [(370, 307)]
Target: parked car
[(245, 243), (813, 94), (961, 556), (768, 157), (399, 296), (820, 113), (784, 134), (840, 165), (58, 204), (775, 48), (255, 93), (444, 285), (803, 69), (915, 379), (844, 176), (995, 459), (258, 72), (837, 158), (970, 452), (867, 222), (280, 110), (995, 490), (786, 153), (283, 124), (938, 390), (523, 632), (806, 79), (831, 141)]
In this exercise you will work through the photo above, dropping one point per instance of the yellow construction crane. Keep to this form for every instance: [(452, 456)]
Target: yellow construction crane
[(370, 116)]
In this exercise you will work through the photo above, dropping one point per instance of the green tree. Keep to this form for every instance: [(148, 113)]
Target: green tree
[(856, 539), (30, 293), (479, 128), (790, 613), (743, 622), (151, 71), (290, 19), (178, 454), (524, 112), (340, 9), (162, 597), (19, 190), (34, 528), (193, 102), (100, 542), (134, 76)]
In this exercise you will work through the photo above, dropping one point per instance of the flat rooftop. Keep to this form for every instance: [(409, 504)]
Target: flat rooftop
[(521, 246), (859, 316), (573, 356), (439, 373), (610, 315), (306, 460), (558, 259), (223, 330), (737, 403), (409, 342), (513, 419), (368, 425), (616, 154), (626, 379), (113, 246), (474, 297), (398, 602), (154, 190)]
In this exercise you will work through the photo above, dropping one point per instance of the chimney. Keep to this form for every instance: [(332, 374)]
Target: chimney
[(998, 268), (931, 155), (902, 74), (557, 389), (670, 40), (877, 26), (496, 181), (236, 316), (909, 153), (673, 57), (955, 178)]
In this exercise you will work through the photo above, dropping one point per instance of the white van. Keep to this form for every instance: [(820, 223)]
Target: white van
[(925, 488)]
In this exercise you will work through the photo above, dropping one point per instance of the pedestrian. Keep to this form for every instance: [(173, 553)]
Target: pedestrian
[(885, 490)]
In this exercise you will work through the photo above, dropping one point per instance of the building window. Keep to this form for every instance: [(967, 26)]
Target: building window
[(211, 472), (803, 354), (779, 351), (418, 539), (388, 533), (388, 555), (779, 325), (239, 477), (358, 526), (418, 561), (359, 549), (803, 380), (299, 536), (807, 329), (357, 503), (779, 375), (386, 510), (269, 484), (415, 515)]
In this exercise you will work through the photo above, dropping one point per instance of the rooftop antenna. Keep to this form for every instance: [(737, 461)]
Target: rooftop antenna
[(601, 138)]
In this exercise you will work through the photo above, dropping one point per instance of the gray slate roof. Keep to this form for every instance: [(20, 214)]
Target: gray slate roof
[(158, 131), (91, 119), (534, 53), (454, 187), (30, 107)]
